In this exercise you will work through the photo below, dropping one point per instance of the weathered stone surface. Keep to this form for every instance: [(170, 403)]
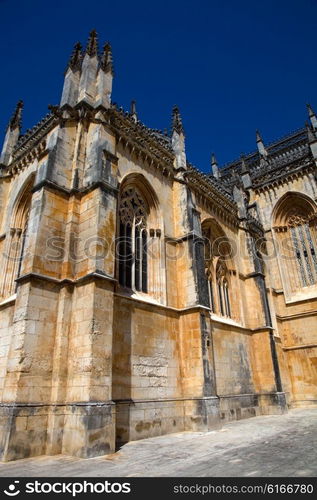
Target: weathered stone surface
[(254, 447)]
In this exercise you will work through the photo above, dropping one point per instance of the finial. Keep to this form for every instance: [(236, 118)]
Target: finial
[(258, 136), (310, 134), (12, 135), (76, 57), (214, 166), (260, 145), (177, 124), (312, 116), (106, 58), (310, 110), (133, 108), (92, 44), (16, 119), (213, 160), (244, 168), (245, 172), (133, 112)]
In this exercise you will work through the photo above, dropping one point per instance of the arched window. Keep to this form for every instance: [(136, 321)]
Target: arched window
[(295, 229), (15, 248), (133, 236), (223, 288), (220, 277)]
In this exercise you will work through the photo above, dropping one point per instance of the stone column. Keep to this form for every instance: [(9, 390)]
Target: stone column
[(196, 349), (89, 427)]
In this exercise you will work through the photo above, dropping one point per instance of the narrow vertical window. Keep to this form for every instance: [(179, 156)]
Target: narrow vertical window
[(311, 246), (227, 300), (22, 246), (144, 260), (222, 311), (223, 289), (138, 258)]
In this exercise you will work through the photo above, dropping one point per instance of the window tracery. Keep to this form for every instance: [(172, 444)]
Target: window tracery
[(133, 235), (15, 250), (295, 224), (223, 288), (217, 253)]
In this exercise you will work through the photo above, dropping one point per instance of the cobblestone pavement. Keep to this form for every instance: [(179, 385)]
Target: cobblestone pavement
[(275, 445)]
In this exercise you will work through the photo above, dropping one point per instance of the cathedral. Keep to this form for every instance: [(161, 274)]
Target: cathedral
[(140, 296)]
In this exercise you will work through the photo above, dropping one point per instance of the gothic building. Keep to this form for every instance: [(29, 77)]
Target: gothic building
[(138, 295)]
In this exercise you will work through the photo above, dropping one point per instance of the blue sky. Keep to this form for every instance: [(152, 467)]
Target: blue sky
[(231, 66)]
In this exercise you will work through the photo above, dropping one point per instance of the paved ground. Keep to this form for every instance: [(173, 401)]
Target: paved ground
[(275, 445)]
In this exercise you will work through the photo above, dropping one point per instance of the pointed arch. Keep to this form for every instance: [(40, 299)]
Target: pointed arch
[(292, 203), (146, 191), (294, 227), (220, 268), (16, 241)]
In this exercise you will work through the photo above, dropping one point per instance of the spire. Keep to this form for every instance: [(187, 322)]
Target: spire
[(312, 116), (133, 108), (310, 110), (177, 124), (133, 112), (178, 142), (310, 134), (244, 168), (72, 76), (258, 136), (260, 144), (214, 166), (92, 44), (12, 134), (87, 88), (75, 58), (106, 62), (105, 77), (16, 119), (245, 173), (312, 140)]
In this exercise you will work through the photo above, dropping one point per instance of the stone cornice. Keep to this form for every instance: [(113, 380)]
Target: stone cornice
[(284, 155), (283, 173), (216, 195), (152, 134), (296, 347), (290, 142), (93, 276), (186, 237), (104, 186), (151, 144), (34, 136)]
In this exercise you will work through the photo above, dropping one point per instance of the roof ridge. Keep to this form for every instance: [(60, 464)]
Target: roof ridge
[(268, 146)]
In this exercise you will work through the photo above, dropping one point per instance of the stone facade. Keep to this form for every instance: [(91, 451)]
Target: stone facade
[(140, 296)]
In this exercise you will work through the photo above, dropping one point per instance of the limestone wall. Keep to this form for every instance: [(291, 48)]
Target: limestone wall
[(295, 313)]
